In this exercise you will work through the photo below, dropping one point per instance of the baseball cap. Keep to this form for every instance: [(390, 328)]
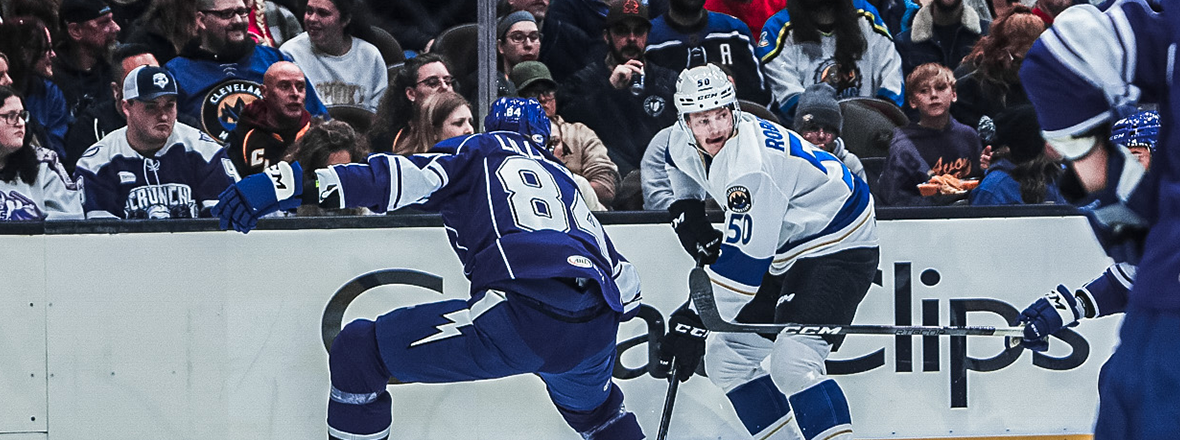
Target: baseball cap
[(77, 11), (146, 83), (626, 9), (528, 73)]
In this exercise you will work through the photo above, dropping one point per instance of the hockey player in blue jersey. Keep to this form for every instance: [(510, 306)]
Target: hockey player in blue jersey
[(1086, 70), (800, 246), (548, 289)]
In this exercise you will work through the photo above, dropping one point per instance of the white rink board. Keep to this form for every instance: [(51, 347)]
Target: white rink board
[(218, 335)]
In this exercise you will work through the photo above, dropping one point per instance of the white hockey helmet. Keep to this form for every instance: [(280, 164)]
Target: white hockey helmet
[(704, 88)]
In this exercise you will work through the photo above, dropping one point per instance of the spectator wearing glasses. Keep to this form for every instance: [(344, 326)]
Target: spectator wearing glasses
[(818, 119), (440, 117), (155, 167), (622, 98), (565, 48), (269, 126), (81, 70), (347, 72), (106, 116), (33, 184), (578, 147), (221, 71), (420, 77), (518, 40)]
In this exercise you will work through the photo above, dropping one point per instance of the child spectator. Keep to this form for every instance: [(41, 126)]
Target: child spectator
[(324, 144), (935, 145), (440, 117), (819, 120), (33, 184), (1020, 172)]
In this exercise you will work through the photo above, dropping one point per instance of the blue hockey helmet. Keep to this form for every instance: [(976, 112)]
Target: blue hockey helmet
[(1138, 130), (524, 116)]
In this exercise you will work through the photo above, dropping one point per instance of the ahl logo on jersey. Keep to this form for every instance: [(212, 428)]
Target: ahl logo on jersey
[(738, 199), (222, 108), (579, 261)]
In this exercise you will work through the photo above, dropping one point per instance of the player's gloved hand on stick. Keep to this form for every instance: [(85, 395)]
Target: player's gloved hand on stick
[(243, 203), (1056, 310), (684, 345), (696, 233)]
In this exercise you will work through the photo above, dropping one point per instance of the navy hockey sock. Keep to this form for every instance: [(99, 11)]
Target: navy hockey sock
[(822, 410), (359, 407), (758, 403), (608, 421)]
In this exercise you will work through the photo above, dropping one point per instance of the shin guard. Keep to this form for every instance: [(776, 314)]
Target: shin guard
[(359, 407), (822, 411), (608, 421), (758, 404)]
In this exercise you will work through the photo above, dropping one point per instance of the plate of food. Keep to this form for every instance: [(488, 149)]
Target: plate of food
[(946, 184)]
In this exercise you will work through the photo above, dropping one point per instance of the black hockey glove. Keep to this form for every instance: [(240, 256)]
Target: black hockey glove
[(684, 344), (696, 234)]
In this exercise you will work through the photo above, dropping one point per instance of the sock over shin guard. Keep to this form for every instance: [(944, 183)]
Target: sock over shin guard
[(359, 407), (822, 411), (608, 421), (758, 403)]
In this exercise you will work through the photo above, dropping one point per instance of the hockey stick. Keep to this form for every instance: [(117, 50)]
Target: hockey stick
[(702, 296), (669, 400)]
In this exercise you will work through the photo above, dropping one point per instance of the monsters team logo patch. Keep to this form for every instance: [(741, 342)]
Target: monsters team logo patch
[(223, 106), (738, 199), (654, 105), (847, 85)]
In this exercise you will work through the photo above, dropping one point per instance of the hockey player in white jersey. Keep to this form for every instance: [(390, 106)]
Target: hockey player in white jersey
[(799, 245)]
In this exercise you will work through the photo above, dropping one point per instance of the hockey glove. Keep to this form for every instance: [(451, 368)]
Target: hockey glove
[(1056, 310), (277, 188), (696, 234), (684, 345)]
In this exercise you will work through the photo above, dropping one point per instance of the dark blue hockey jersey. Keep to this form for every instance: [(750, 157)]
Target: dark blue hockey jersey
[(1083, 72), (511, 211), (213, 94), (180, 180), (722, 40)]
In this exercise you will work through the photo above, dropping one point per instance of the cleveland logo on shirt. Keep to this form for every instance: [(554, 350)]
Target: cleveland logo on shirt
[(170, 200), (222, 107)]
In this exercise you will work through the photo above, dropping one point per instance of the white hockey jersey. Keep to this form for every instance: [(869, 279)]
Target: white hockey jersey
[(52, 196), (784, 199)]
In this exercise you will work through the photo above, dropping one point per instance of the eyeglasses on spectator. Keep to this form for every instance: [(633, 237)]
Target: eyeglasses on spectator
[(228, 13), (435, 82), (11, 118), (519, 37)]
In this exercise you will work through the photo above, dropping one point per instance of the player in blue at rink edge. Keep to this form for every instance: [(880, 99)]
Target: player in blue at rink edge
[(1086, 70), (800, 246), (548, 289)]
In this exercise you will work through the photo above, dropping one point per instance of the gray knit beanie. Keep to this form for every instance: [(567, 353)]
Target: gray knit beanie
[(818, 106)]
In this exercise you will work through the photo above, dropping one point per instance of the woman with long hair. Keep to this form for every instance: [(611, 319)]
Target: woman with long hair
[(993, 82), (29, 47), (328, 143), (166, 27), (441, 116), (1020, 172), (33, 184), (420, 77)]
